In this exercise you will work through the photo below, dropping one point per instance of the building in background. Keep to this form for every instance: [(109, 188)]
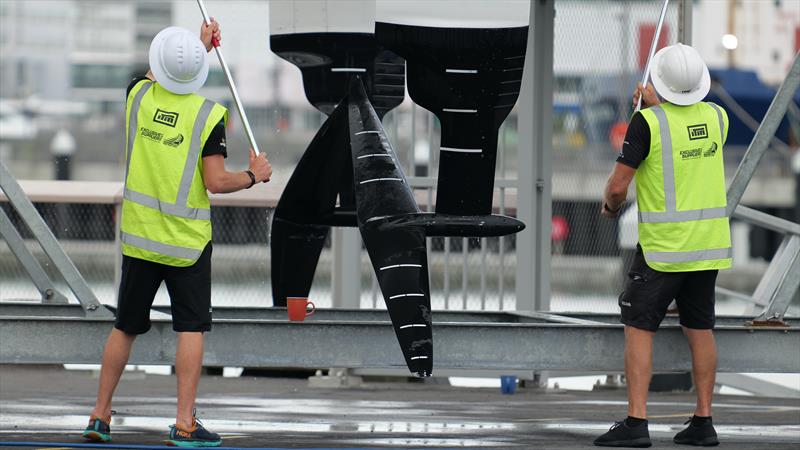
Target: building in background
[(764, 35), (85, 50)]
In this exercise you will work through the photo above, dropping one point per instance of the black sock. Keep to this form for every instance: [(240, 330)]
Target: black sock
[(700, 420), (634, 421)]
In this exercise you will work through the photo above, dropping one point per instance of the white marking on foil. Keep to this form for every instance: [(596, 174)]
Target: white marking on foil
[(461, 70), (413, 325), (406, 295), (454, 110), (373, 155), (380, 179), (368, 131), (461, 150), (419, 266), (347, 69)]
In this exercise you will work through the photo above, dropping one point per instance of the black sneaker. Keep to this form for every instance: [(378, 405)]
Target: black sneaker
[(702, 435), (196, 437), (98, 430), (621, 435)]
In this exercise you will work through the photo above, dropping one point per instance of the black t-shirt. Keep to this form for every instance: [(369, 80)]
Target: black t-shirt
[(637, 142), (215, 144)]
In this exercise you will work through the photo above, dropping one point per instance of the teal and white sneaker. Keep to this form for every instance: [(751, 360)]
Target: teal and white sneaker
[(198, 436), (98, 430)]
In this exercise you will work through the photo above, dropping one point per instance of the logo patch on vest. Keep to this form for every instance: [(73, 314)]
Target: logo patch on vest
[(693, 153), (711, 150), (174, 141), (150, 134), (697, 132), (166, 118)]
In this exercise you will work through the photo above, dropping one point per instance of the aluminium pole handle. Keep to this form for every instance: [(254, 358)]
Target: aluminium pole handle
[(650, 55), (231, 85)]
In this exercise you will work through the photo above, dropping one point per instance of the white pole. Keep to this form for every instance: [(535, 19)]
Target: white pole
[(653, 45), (234, 92)]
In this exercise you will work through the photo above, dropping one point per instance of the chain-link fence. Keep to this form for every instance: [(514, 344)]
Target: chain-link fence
[(600, 48)]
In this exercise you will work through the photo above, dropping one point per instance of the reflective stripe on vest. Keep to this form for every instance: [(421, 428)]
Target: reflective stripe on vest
[(133, 124), (180, 207), (165, 207), (719, 117), (159, 247), (668, 167), (698, 255)]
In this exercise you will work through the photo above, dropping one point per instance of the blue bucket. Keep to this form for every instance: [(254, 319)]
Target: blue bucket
[(508, 384)]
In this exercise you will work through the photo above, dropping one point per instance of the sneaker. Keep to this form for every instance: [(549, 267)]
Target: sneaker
[(196, 437), (621, 435), (703, 435), (98, 430)]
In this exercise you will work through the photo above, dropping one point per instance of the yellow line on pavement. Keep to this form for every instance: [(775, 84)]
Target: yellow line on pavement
[(545, 420), (238, 436), (670, 416)]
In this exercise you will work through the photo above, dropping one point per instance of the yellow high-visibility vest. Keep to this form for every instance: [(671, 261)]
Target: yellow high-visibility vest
[(680, 189), (166, 214)]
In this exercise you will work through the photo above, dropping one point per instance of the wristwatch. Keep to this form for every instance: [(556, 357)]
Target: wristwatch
[(613, 211), (252, 178)]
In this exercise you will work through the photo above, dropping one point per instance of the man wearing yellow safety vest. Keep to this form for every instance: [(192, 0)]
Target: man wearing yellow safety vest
[(674, 150), (175, 150)]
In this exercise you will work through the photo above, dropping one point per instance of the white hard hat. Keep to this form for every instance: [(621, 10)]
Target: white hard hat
[(679, 75), (178, 59)]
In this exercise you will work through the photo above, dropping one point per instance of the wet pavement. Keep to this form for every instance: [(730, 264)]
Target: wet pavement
[(50, 405)]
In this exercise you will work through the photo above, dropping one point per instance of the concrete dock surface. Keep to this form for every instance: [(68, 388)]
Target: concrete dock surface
[(51, 405)]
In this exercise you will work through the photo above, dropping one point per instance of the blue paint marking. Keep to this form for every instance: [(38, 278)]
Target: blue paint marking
[(160, 447)]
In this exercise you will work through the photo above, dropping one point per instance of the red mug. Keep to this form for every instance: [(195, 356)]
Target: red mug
[(298, 308)]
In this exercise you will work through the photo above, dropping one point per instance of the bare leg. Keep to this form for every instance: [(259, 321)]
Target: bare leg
[(188, 364), (704, 367), (638, 369), (115, 357)]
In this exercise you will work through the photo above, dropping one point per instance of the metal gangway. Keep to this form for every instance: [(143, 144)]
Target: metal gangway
[(52, 331)]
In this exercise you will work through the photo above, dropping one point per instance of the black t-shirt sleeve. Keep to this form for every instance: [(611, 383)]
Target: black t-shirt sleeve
[(215, 144), (133, 83), (636, 146)]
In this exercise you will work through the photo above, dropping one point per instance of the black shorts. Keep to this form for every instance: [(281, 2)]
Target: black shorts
[(189, 293), (648, 293)]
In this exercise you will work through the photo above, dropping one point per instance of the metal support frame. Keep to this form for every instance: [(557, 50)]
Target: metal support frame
[(40, 279), (781, 281), (763, 136), (16, 196), (685, 21), (346, 270), (782, 278), (360, 339), (534, 158)]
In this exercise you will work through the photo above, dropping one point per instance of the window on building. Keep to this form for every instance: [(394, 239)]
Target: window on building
[(216, 78), (100, 75)]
